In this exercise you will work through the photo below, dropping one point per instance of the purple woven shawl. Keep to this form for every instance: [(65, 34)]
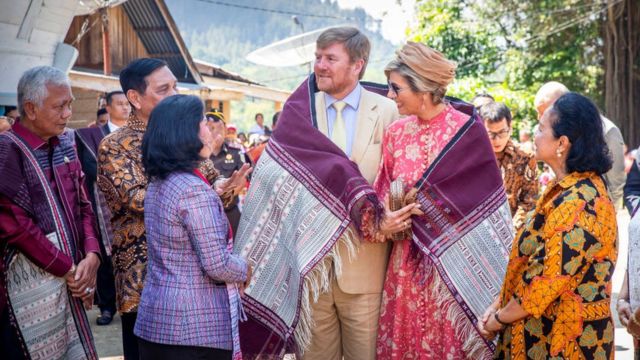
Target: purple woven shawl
[(309, 158)]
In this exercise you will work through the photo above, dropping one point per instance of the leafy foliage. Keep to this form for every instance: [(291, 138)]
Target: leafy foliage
[(509, 48)]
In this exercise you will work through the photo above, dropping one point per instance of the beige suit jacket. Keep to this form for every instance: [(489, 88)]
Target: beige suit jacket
[(365, 273)]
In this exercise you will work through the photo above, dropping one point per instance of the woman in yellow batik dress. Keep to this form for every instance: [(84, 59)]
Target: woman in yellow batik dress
[(555, 301)]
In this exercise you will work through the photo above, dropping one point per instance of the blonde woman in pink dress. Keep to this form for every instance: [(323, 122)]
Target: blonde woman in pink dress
[(418, 316)]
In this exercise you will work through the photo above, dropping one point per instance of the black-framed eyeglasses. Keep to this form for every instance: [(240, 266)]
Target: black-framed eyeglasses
[(395, 88), (499, 135)]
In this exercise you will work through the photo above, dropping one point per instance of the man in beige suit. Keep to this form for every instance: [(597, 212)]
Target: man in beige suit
[(346, 317)]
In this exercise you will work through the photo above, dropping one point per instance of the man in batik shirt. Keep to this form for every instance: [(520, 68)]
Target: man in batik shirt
[(518, 167), (122, 180)]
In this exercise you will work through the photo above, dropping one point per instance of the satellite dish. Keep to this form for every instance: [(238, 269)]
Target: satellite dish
[(87, 7), (292, 51)]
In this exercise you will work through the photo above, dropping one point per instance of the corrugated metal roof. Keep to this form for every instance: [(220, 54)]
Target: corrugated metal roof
[(153, 30)]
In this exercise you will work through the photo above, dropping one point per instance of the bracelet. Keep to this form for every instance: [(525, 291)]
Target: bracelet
[(623, 300), (495, 316)]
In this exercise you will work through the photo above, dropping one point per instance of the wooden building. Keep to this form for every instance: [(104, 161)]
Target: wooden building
[(145, 28)]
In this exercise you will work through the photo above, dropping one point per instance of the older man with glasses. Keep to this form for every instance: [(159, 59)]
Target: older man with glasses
[(518, 168)]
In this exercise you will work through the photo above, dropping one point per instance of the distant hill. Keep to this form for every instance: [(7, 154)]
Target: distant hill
[(224, 35)]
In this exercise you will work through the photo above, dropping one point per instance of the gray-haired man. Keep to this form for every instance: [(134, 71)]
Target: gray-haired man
[(47, 235)]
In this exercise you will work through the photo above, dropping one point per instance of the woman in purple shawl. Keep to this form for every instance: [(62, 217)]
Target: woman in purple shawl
[(419, 317)]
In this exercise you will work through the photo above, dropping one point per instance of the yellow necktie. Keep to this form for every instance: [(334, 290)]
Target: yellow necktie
[(339, 132)]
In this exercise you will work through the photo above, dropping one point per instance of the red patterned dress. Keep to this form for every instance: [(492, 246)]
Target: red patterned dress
[(418, 315)]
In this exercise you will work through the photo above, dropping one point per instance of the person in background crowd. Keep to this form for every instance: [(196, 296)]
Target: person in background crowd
[(546, 176), (87, 142), (47, 228), (524, 139), (11, 112), (616, 177), (631, 189), (628, 304), (481, 99), (122, 180), (190, 304), (5, 123), (629, 158), (258, 145), (242, 137), (102, 118), (274, 120), (227, 158), (259, 127), (518, 168), (119, 110), (556, 296)]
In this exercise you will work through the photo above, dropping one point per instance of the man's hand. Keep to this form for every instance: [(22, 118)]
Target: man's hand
[(236, 182), (83, 283)]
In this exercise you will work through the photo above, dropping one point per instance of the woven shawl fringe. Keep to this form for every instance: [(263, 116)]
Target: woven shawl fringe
[(473, 345), (318, 281)]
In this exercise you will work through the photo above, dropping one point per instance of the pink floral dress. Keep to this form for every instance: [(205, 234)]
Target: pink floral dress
[(414, 321)]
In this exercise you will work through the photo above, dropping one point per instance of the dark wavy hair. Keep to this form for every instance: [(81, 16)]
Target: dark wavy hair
[(171, 142), (577, 118)]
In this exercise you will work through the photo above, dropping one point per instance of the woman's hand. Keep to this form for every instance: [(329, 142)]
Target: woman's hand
[(482, 324), (396, 221)]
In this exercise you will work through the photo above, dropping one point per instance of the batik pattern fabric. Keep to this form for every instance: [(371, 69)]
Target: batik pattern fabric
[(122, 181), (52, 324), (519, 172), (439, 281), (305, 196), (560, 272)]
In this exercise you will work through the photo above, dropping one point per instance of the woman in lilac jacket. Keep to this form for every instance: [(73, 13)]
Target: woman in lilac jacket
[(190, 304)]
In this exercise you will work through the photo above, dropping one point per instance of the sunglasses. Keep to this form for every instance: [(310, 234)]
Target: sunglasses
[(395, 88)]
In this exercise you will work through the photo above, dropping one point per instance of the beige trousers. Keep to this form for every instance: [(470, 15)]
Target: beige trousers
[(346, 325)]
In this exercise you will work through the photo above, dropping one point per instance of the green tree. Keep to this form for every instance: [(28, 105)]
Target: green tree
[(509, 48)]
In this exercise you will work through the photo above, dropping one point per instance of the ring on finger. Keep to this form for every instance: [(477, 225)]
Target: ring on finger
[(88, 290)]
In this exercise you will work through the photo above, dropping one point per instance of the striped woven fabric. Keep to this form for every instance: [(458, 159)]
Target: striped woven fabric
[(305, 196), (466, 230), (52, 324)]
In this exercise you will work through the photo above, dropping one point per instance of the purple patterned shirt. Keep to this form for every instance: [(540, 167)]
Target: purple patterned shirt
[(185, 299)]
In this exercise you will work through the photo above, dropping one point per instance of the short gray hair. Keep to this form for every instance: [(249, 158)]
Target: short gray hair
[(416, 82), (33, 85)]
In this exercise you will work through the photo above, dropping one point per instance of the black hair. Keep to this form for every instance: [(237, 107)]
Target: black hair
[(274, 119), (9, 108), (577, 118), (171, 142), (133, 76), (494, 112), (109, 96), (101, 111), (258, 114)]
